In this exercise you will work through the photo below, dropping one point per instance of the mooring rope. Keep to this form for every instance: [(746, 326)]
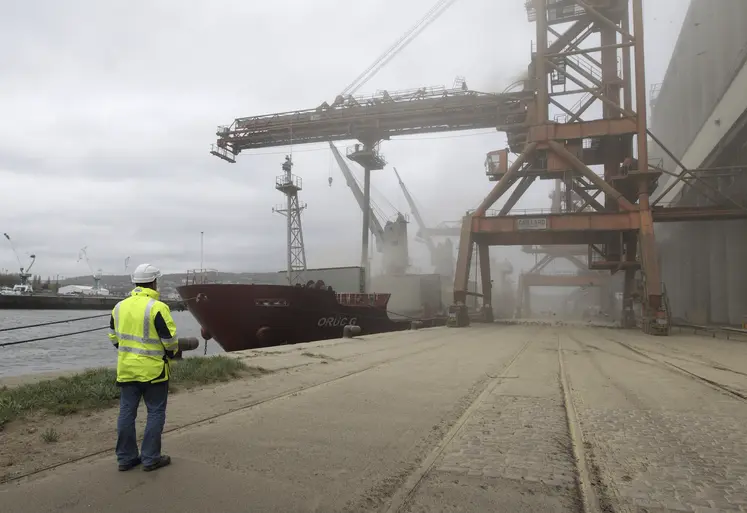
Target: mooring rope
[(4, 344), (53, 322)]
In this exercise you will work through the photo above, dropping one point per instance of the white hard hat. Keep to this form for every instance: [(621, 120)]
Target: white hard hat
[(145, 273)]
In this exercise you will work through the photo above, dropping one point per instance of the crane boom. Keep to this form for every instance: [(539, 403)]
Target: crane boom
[(20, 264), (376, 228), (12, 247), (83, 255), (24, 275), (416, 213)]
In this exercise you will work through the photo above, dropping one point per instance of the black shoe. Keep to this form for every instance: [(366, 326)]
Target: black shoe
[(164, 461), (124, 467)]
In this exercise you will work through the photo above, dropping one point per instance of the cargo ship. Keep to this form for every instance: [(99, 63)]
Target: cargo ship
[(250, 316), (254, 315)]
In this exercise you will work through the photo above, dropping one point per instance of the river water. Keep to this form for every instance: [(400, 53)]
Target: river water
[(72, 352)]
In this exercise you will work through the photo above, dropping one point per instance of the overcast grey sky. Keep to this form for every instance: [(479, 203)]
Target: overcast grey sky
[(109, 108)]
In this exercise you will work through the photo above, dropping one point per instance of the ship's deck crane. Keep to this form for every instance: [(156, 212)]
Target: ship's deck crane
[(24, 275), (416, 213), (376, 229), (96, 275), (391, 239), (442, 255)]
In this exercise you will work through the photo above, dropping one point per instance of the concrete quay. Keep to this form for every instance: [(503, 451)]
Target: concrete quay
[(487, 418)]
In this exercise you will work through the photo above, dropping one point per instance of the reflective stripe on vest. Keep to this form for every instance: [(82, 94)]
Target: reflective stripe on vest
[(135, 350)]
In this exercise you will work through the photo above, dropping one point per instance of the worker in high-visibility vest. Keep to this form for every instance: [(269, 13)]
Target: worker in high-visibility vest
[(142, 330)]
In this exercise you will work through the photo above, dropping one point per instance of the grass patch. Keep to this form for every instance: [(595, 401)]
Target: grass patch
[(50, 436), (202, 371), (95, 389)]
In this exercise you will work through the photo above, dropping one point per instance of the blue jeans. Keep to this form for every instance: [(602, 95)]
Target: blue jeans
[(155, 396)]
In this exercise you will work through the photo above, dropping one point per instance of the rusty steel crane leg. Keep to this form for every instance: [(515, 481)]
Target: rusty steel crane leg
[(519, 298), (466, 241), (631, 251), (649, 259), (464, 262), (487, 285), (527, 312)]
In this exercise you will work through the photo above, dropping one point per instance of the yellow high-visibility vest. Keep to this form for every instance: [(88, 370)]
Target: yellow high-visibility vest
[(142, 353)]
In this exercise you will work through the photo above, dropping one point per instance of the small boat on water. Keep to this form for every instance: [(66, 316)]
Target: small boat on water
[(17, 290), (249, 316)]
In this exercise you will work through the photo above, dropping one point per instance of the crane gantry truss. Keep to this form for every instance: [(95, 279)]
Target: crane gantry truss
[(371, 119)]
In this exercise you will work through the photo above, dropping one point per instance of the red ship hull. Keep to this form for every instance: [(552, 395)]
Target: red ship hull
[(243, 317)]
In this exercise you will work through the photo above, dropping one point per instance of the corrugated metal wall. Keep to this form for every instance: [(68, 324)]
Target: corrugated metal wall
[(710, 51), (702, 263)]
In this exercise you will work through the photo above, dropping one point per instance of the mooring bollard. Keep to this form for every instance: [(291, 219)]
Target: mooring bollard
[(350, 331), (416, 325), (188, 343)]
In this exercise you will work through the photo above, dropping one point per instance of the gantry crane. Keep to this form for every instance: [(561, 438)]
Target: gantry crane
[(391, 239), (24, 274), (619, 228), (583, 277), (619, 234)]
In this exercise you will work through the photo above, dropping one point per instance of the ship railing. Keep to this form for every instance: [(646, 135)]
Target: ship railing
[(358, 299), (200, 276)]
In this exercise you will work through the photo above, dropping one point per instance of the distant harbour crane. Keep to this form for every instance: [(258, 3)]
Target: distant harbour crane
[(24, 275), (97, 275)]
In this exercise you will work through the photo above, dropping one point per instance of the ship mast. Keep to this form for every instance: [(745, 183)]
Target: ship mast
[(289, 184)]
